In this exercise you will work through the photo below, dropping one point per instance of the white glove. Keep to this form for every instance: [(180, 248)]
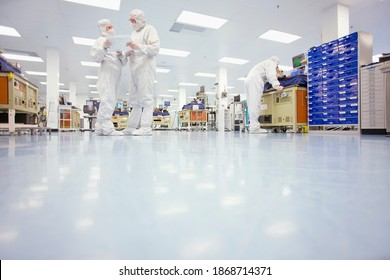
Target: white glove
[(279, 88), (106, 44)]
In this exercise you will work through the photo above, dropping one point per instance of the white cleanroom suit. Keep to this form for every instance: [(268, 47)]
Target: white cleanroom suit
[(110, 71), (254, 86), (145, 46)]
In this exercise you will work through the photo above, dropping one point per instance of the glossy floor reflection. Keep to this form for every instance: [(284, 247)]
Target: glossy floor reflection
[(195, 195)]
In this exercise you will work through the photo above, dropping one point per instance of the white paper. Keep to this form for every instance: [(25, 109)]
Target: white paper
[(263, 107), (118, 42)]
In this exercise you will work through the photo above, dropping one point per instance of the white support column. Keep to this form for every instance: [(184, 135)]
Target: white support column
[(222, 99), (182, 98), (160, 101), (335, 22), (53, 78), (72, 93), (81, 100)]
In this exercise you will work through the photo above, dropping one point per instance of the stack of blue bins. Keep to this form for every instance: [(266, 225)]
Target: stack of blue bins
[(333, 71)]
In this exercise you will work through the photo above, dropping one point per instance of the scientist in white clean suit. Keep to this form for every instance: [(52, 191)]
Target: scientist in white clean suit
[(145, 46), (261, 73), (110, 70)]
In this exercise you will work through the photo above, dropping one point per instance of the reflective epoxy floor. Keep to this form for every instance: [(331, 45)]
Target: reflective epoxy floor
[(195, 195)]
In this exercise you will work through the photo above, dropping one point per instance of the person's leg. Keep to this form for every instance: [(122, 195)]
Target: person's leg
[(254, 89), (145, 88), (136, 110), (106, 89)]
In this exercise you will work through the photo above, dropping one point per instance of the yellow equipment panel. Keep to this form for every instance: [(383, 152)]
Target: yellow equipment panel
[(285, 109)]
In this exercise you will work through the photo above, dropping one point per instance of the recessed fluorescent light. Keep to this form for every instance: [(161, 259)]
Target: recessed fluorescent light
[(242, 79), (112, 4), (165, 95), (155, 82), (229, 87), (208, 75), (172, 52), (35, 73), (173, 90), (64, 90), (22, 57), (161, 70), (188, 84), (91, 77), (233, 60), (88, 63), (285, 68), (9, 31), (210, 92), (45, 83), (92, 86), (83, 41), (93, 91), (375, 58), (278, 36), (201, 20)]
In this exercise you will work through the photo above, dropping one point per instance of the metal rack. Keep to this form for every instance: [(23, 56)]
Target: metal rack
[(193, 119)]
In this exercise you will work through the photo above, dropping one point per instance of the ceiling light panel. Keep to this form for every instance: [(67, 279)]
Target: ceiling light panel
[(233, 60), (22, 57), (188, 84), (207, 75), (83, 41), (172, 52), (35, 73), (91, 77), (280, 37), (45, 83), (88, 63), (201, 20), (161, 70), (9, 31), (173, 90), (111, 5), (166, 95)]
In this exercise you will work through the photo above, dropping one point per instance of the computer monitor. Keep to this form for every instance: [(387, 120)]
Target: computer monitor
[(167, 103), (89, 109), (94, 103), (297, 61)]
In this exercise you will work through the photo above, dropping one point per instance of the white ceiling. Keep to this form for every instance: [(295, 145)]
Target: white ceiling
[(52, 23)]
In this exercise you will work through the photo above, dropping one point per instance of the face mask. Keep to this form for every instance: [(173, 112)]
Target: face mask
[(111, 32), (136, 26)]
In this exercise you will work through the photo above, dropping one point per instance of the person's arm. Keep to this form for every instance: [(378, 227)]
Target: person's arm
[(98, 51), (122, 57), (271, 74), (152, 48)]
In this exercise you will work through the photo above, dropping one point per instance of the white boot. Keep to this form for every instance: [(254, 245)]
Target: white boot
[(134, 119), (114, 133), (258, 131), (143, 131), (128, 131), (146, 122)]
